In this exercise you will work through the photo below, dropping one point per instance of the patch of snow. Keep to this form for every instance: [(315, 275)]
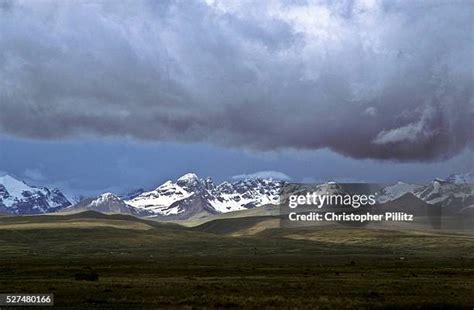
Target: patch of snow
[(466, 178), (188, 177), (104, 198), (160, 198), (396, 191), (14, 187)]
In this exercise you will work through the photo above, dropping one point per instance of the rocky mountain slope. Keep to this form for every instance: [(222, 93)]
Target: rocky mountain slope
[(396, 191), (17, 197), (191, 195), (453, 193), (107, 203)]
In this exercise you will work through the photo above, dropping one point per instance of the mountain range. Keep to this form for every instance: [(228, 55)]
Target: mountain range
[(17, 197), (191, 197)]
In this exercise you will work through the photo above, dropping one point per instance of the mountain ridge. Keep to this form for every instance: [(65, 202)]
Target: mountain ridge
[(191, 196), (17, 197)]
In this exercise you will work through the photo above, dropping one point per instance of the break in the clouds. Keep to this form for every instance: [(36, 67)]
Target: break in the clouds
[(367, 79)]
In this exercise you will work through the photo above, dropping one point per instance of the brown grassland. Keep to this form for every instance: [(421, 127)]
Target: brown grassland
[(227, 264)]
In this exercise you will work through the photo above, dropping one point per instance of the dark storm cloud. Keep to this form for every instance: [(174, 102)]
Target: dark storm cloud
[(385, 80)]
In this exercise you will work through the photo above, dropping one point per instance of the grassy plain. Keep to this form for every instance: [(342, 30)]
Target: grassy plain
[(233, 264)]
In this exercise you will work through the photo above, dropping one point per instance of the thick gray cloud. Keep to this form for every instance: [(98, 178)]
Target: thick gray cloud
[(367, 79)]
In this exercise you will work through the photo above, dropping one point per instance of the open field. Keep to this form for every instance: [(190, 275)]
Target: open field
[(248, 263)]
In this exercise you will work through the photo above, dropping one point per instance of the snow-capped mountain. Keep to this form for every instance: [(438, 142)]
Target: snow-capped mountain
[(106, 203), (17, 197), (447, 192), (191, 195), (466, 178), (396, 191), (455, 191)]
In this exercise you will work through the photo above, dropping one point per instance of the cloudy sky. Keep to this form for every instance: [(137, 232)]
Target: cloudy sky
[(124, 94)]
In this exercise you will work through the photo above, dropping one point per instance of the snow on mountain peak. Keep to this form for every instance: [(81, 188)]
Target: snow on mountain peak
[(190, 195), (395, 191), (160, 199), (107, 203), (457, 187), (166, 184), (17, 197), (188, 177), (13, 186), (105, 197), (461, 178), (189, 192)]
